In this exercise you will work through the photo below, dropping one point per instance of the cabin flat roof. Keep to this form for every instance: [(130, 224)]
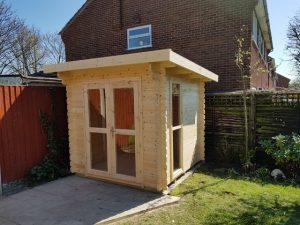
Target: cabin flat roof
[(158, 56)]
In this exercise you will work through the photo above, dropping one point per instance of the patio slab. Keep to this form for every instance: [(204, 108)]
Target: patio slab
[(77, 201)]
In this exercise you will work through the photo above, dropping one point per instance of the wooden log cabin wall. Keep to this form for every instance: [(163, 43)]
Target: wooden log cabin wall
[(135, 119)]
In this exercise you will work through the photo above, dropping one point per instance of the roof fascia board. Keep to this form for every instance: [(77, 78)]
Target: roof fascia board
[(262, 14), (158, 56)]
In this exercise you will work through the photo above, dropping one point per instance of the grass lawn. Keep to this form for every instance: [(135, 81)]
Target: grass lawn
[(211, 198)]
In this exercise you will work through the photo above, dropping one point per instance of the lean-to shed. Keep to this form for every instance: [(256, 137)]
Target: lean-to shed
[(135, 119)]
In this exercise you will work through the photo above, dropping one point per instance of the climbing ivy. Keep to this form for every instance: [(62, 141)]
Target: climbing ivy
[(56, 162)]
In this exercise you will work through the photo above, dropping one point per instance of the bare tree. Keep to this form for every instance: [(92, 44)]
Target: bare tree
[(294, 40), (27, 52), (24, 50), (54, 48), (9, 27), (295, 85)]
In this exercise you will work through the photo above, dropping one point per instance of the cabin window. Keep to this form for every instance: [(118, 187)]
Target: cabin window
[(176, 127), (139, 37)]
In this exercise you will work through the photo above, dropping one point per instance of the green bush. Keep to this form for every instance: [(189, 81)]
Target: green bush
[(285, 150), (232, 172), (263, 174), (56, 162)]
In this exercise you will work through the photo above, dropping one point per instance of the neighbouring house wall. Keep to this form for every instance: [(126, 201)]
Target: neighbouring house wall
[(282, 82), (152, 106), (22, 139), (203, 31), (260, 79)]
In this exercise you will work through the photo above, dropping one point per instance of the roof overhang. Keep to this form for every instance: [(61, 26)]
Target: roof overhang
[(82, 8), (262, 14), (166, 57)]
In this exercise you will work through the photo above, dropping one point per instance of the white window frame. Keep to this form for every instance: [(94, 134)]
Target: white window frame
[(255, 28), (176, 173), (258, 38), (140, 35)]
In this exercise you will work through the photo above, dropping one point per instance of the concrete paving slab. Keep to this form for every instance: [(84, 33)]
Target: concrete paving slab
[(154, 204), (4, 221), (77, 201)]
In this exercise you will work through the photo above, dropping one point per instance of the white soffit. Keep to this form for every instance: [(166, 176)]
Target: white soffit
[(263, 19)]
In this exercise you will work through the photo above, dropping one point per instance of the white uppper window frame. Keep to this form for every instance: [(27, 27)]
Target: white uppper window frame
[(257, 36), (140, 34), (254, 28)]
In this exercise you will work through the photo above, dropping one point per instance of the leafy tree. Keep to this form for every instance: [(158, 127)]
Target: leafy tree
[(242, 61), (246, 68)]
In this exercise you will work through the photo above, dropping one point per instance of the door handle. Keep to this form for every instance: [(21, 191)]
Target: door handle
[(112, 130)]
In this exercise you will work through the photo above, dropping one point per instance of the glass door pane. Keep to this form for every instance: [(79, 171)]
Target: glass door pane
[(98, 133), (125, 155), (176, 128), (125, 144), (176, 105), (176, 149), (124, 108), (99, 151), (97, 108)]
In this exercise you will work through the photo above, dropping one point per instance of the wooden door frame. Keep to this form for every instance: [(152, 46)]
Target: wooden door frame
[(179, 172), (88, 130), (109, 85)]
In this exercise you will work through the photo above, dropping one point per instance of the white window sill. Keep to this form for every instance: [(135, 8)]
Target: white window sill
[(148, 46)]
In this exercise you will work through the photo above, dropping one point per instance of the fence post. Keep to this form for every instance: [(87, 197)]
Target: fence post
[(252, 121), (0, 182)]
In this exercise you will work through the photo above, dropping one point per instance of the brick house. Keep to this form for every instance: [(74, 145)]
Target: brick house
[(282, 82), (203, 31)]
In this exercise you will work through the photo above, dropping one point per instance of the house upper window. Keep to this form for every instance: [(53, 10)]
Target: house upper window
[(139, 37), (254, 27), (258, 38)]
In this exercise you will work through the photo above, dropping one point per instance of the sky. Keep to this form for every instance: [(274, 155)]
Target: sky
[(46, 15), (52, 15), (280, 13)]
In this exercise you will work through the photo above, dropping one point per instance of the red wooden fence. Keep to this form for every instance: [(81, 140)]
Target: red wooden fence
[(22, 142)]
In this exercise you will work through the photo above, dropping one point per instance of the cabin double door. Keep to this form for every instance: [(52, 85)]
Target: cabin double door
[(112, 130)]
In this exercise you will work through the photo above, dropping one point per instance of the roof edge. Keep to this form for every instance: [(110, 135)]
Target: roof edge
[(80, 10), (262, 14), (157, 56), (268, 22), (285, 77)]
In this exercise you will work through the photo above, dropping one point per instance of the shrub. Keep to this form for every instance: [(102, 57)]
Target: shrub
[(56, 162), (263, 174), (285, 150), (232, 172)]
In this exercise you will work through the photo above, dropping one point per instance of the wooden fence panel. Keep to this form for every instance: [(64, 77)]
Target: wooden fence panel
[(278, 113), (22, 142), (270, 114)]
